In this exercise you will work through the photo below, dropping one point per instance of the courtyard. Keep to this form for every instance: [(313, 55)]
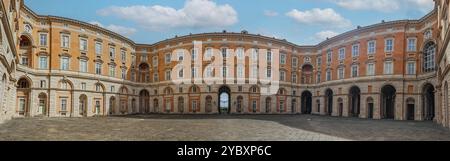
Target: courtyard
[(218, 127)]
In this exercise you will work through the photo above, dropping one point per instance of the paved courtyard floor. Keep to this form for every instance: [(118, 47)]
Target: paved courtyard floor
[(219, 127)]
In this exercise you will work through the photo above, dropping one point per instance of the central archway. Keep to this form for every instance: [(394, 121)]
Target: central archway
[(224, 100), (355, 102), (306, 102), (329, 102), (388, 102), (428, 102)]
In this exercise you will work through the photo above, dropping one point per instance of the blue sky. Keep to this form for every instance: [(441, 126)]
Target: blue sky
[(304, 22)]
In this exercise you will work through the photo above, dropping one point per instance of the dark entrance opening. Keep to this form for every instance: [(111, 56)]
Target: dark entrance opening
[(355, 95), (428, 102), (370, 108), (340, 107), (329, 101), (388, 102), (306, 102), (224, 100)]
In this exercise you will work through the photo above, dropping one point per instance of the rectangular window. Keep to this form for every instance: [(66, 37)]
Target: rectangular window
[(371, 47), (43, 62), (255, 55), (98, 48), (355, 50), (412, 44), (124, 73), (354, 71), (194, 54), (155, 61), (319, 62), (269, 73), (341, 73), (240, 53), (194, 72), (282, 75), (98, 68), (63, 104), (225, 72), (83, 86), (123, 55), (370, 69), (388, 67), (389, 45), (168, 75), (255, 72), (411, 68), (113, 89), (112, 52), (167, 58), (43, 39), (328, 75), (282, 58), (342, 54), (65, 41), (65, 63), (43, 83), (294, 78), (83, 66), (294, 62), (240, 70), (155, 77), (83, 45), (24, 60), (319, 77), (329, 55), (269, 56), (112, 71), (224, 52)]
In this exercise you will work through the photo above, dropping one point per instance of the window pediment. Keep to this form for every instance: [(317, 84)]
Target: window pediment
[(42, 54), (83, 36), (65, 55), (98, 61), (83, 57), (65, 32)]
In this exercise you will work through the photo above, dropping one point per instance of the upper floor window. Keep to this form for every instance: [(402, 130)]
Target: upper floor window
[(269, 73), (167, 58), (411, 44), (123, 55), (180, 56), (329, 56), (429, 56), (269, 56), (98, 48), (328, 75), (371, 47), (28, 28), (43, 39), (112, 71), (255, 55), (282, 75), (428, 34), (83, 45), (124, 74), (370, 69), (355, 50), (282, 58), (155, 77), (83, 66), (24, 60), (319, 77), (64, 63), (354, 71), (98, 68), (389, 45), (388, 67), (240, 71), (168, 75), (181, 73), (112, 52), (224, 52), (294, 78), (319, 62), (65, 41), (341, 53), (240, 53), (340, 73), (194, 54), (155, 61), (411, 68), (294, 62), (208, 52), (43, 61)]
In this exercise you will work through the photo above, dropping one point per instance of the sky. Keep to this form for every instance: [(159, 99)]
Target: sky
[(303, 22)]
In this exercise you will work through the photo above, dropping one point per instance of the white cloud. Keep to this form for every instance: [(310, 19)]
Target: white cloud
[(323, 35), (386, 5), (323, 17), (195, 13), (270, 13), (125, 31)]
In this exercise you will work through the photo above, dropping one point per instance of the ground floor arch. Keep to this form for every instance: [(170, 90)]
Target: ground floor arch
[(306, 102), (328, 101), (144, 101), (354, 101), (82, 105), (428, 107), (224, 100), (388, 94)]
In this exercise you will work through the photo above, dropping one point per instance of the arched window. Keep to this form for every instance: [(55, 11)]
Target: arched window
[(23, 83), (429, 56)]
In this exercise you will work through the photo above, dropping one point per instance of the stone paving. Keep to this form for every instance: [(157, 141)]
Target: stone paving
[(218, 127)]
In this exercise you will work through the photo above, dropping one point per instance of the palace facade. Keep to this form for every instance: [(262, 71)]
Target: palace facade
[(60, 67)]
